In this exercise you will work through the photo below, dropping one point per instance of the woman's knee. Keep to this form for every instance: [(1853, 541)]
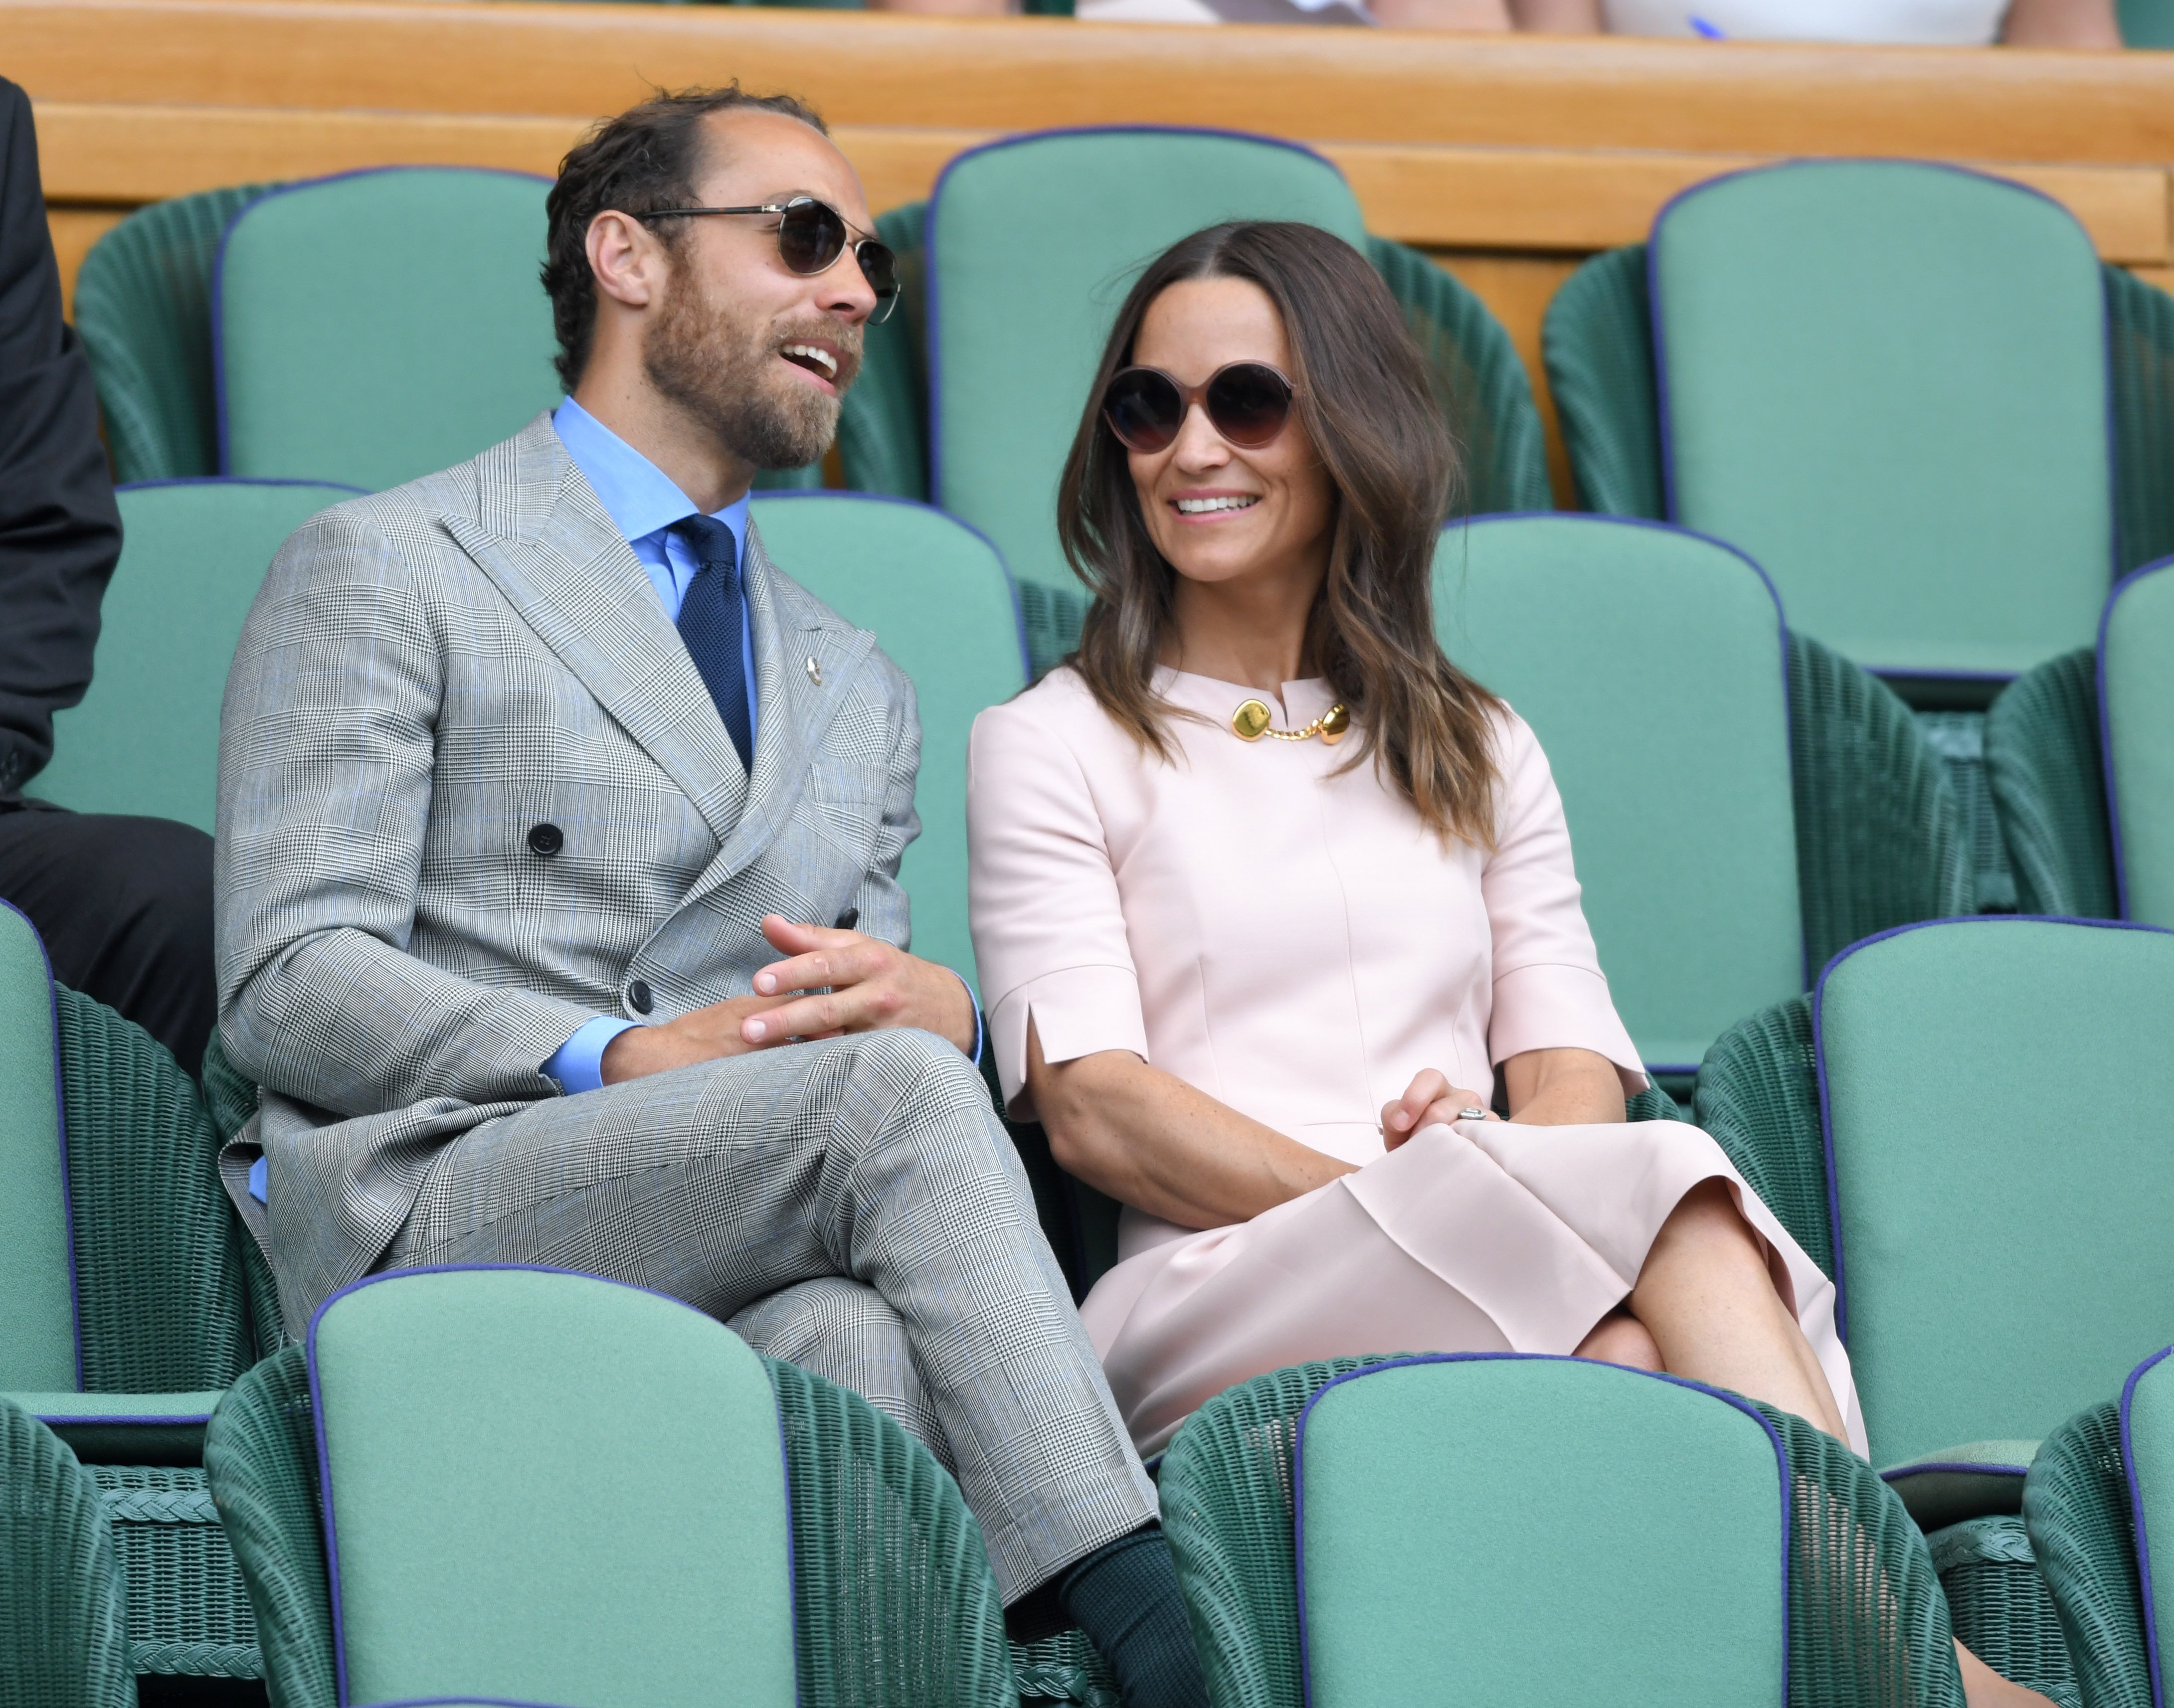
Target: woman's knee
[(1621, 1338), (1706, 1222)]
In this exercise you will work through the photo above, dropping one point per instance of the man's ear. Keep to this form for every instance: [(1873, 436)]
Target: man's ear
[(629, 263)]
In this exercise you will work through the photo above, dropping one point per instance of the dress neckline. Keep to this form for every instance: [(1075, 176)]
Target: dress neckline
[(1302, 701)]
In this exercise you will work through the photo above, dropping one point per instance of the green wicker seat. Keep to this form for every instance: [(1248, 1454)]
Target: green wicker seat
[(937, 596), (962, 401), (1863, 1622), (145, 737), (2079, 1508), (127, 1295), (63, 1605), (142, 305), (891, 1598), (2045, 771), (1955, 1220)]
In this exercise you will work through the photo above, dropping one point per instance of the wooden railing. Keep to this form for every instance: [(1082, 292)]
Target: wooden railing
[(1510, 158)]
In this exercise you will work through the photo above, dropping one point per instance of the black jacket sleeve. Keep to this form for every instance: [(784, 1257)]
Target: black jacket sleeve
[(60, 531)]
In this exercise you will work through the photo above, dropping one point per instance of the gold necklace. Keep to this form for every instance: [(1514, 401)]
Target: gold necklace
[(1250, 720)]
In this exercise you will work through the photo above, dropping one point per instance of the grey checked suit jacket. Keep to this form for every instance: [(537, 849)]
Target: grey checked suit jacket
[(428, 674)]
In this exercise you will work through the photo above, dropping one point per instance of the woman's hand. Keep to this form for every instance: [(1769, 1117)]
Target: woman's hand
[(1430, 1099)]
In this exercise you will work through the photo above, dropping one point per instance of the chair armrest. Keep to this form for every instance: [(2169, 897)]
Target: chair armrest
[(126, 1428)]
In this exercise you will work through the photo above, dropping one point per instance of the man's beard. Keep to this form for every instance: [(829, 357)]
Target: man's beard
[(726, 376)]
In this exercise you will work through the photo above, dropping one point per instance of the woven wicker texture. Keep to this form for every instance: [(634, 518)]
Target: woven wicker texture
[(2076, 1506), (1598, 343), (63, 1611), (895, 1602), (143, 303), (2000, 1608), (158, 1247), (2047, 774), (1880, 839), (1959, 739), (1867, 1623), (1478, 382), (230, 1100), (188, 1611), (2140, 341), (1064, 1668), (1759, 1096)]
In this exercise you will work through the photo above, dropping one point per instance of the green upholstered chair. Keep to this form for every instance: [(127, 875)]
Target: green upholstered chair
[(2097, 1501), (2146, 23), (2077, 755), (942, 607), (125, 1295), (142, 307), (63, 1605), (1496, 1528), (1065, 219), (1913, 1083), (630, 1495), (376, 326), (145, 737)]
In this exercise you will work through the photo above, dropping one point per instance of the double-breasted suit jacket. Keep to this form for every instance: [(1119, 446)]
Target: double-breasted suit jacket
[(428, 678)]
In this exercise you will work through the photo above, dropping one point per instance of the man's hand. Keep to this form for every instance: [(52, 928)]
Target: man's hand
[(1430, 1099), (863, 983), (701, 1035)]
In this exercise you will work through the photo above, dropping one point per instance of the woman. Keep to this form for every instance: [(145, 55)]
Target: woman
[(1268, 898), (1963, 23)]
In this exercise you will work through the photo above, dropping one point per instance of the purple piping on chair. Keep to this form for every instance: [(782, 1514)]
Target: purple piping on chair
[(325, 1471), (2105, 728), (1298, 1470), (52, 1420), (930, 273), (1661, 365), (1819, 1054), (219, 273), (60, 1128), (460, 1702), (2143, 1537), (1011, 583), (1782, 635), (238, 480), (1896, 1473)]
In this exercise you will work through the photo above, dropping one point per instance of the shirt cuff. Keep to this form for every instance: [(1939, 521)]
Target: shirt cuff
[(578, 1064), (257, 1174), (980, 1032)]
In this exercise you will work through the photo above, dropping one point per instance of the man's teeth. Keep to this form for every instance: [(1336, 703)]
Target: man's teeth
[(815, 353), (1201, 506)]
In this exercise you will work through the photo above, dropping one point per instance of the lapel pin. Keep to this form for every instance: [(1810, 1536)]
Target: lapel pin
[(814, 674)]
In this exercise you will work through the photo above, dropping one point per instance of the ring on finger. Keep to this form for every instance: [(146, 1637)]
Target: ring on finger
[(1471, 1112)]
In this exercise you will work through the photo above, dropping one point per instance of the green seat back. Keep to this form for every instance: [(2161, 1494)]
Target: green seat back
[(2147, 1453), (38, 1349), (2147, 23), (2136, 700), (936, 596), (1680, 818), (551, 1487), (1887, 383), (1503, 1529), (145, 737), (377, 326), (1994, 1093), (1032, 244)]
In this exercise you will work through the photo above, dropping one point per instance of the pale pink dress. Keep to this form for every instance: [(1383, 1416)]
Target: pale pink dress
[(1298, 945)]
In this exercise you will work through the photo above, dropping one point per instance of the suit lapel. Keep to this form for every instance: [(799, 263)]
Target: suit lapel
[(562, 565), (793, 711)]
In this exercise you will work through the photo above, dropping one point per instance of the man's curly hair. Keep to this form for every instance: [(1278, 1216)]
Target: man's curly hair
[(645, 159)]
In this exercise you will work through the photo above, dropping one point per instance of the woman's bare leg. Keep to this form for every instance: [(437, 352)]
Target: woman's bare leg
[(1707, 1298), (1620, 1337), (1983, 1688)]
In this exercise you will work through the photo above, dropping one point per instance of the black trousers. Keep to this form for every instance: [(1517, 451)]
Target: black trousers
[(124, 906)]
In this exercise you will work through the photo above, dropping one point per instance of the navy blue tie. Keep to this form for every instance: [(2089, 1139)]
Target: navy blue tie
[(711, 624)]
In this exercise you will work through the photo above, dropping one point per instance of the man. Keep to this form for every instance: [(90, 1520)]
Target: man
[(123, 904), (537, 777)]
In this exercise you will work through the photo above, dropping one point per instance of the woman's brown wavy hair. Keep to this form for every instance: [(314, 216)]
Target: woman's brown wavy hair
[(1363, 398)]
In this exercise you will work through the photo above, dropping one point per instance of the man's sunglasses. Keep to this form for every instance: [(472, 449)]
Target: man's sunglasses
[(811, 236), (1247, 402)]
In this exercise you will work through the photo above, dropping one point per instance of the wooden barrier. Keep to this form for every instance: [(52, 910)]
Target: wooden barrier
[(1510, 158)]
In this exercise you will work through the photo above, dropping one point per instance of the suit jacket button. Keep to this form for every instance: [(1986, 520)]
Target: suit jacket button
[(546, 839), (638, 998)]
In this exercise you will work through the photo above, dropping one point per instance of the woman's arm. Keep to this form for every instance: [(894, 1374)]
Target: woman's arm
[(1563, 1088), (1558, 17), (2060, 24), (1150, 1140)]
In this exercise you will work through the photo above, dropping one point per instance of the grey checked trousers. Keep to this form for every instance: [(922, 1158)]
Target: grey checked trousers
[(853, 1206)]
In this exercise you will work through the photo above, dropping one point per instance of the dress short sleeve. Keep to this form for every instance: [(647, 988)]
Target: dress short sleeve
[(1049, 930), (1549, 992)]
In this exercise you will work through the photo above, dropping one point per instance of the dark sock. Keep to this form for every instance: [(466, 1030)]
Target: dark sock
[(1125, 1597)]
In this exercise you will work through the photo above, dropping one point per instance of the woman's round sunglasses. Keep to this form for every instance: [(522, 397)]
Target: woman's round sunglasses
[(811, 236), (1247, 402)]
